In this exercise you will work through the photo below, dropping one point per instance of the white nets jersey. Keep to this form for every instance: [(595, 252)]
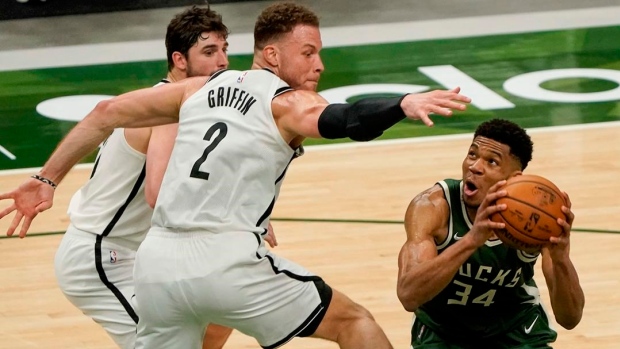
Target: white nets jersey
[(112, 202), (229, 158)]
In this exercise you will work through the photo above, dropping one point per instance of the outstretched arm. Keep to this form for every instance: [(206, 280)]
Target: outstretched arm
[(141, 108), (308, 114), (567, 298)]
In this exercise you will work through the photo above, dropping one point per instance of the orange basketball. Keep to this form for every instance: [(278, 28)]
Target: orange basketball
[(533, 206)]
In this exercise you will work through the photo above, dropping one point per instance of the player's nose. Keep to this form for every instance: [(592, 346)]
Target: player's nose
[(223, 61), (476, 167), (319, 66)]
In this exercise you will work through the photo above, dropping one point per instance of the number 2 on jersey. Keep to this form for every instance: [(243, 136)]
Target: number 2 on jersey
[(223, 129)]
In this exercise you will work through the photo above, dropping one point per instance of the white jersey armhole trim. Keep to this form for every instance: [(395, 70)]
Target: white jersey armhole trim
[(446, 194), (129, 148), (278, 135), (527, 257), (127, 145)]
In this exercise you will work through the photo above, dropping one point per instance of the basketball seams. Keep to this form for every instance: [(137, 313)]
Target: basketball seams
[(557, 192), (518, 230), (528, 205), (532, 195)]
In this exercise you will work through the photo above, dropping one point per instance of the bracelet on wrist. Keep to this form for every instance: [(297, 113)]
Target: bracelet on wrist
[(44, 180)]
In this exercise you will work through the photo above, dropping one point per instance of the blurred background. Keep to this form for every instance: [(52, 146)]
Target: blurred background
[(59, 48)]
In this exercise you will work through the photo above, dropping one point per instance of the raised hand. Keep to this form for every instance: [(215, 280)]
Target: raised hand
[(29, 199), (558, 246), (484, 227), (442, 102)]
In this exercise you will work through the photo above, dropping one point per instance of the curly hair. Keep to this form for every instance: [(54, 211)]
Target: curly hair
[(510, 134), (186, 27), (279, 19)]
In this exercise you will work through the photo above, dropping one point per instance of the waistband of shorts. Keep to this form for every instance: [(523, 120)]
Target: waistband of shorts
[(189, 234), (74, 232)]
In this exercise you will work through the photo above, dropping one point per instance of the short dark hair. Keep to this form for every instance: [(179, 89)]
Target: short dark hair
[(510, 134), (279, 19), (185, 29)]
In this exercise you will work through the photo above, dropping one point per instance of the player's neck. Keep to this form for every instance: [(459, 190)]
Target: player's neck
[(471, 212), (175, 75), (259, 63)]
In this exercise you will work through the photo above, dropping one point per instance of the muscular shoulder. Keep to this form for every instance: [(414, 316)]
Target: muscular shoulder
[(296, 113), (432, 197), (428, 213), (296, 99), (192, 85)]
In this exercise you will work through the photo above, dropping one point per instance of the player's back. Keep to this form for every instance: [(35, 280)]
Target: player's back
[(112, 202), (228, 159)]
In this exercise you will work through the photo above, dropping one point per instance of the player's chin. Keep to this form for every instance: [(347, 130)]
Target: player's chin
[(311, 85), (472, 201)]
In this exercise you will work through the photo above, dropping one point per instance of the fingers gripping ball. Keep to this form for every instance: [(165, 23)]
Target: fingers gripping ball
[(533, 205)]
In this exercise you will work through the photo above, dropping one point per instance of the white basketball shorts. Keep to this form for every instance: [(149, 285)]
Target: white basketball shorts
[(186, 280), (97, 277)]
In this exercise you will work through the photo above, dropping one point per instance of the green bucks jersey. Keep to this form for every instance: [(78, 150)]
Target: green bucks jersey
[(491, 292)]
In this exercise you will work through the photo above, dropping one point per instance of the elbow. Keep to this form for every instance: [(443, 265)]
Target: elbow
[(569, 322), (409, 306), (104, 107), (407, 299), (569, 314), (101, 112), (569, 325), (151, 196)]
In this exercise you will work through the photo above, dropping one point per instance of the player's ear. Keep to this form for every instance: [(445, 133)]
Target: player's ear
[(179, 60), (270, 54), (515, 173)]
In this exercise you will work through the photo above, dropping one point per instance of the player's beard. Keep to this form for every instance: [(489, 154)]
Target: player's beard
[(190, 71)]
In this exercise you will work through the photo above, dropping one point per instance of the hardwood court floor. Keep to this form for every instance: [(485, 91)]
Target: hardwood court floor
[(352, 182)]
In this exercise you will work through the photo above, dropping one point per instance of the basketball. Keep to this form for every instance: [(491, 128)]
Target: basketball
[(533, 205)]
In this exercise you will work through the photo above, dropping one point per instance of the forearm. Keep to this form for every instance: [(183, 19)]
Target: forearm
[(425, 280), (567, 298), (81, 141), (363, 120)]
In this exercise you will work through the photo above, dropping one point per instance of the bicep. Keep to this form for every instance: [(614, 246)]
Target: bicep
[(157, 158), (422, 220), (297, 113), (150, 106)]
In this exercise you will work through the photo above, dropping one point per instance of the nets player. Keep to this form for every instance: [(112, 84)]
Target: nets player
[(110, 215)]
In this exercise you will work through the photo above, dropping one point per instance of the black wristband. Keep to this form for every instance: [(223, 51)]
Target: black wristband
[(44, 180)]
